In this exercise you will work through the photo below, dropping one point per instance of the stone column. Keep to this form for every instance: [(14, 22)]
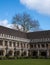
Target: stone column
[(16, 44), (47, 53), (37, 46), (20, 45), (13, 53), (26, 45), (4, 51), (27, 53), (12, 49), (38, 53), (20, 52)]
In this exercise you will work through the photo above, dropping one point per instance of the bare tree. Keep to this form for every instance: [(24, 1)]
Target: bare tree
[(25, 21)]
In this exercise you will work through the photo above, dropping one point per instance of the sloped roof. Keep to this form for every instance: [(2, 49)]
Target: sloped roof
[(29, 35), (8, 31), (39, 34)]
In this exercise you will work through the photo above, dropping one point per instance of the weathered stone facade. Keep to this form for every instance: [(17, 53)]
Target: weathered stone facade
[(17, 43)]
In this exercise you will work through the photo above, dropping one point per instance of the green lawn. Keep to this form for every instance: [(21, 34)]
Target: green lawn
[(25, 62)]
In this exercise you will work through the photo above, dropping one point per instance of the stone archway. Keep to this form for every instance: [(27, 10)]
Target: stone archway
[(10, 53), (16, 53), (34, 53), (1, 52), (24, 53), (43, 53)]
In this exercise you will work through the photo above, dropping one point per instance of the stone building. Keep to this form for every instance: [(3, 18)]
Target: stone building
[(17, 43)]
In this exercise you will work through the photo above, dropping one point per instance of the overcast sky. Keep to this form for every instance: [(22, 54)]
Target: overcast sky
[(38, 9)]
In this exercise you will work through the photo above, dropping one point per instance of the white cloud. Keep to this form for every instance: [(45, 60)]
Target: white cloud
[(7, 24), (4, 22), (42, 6)]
